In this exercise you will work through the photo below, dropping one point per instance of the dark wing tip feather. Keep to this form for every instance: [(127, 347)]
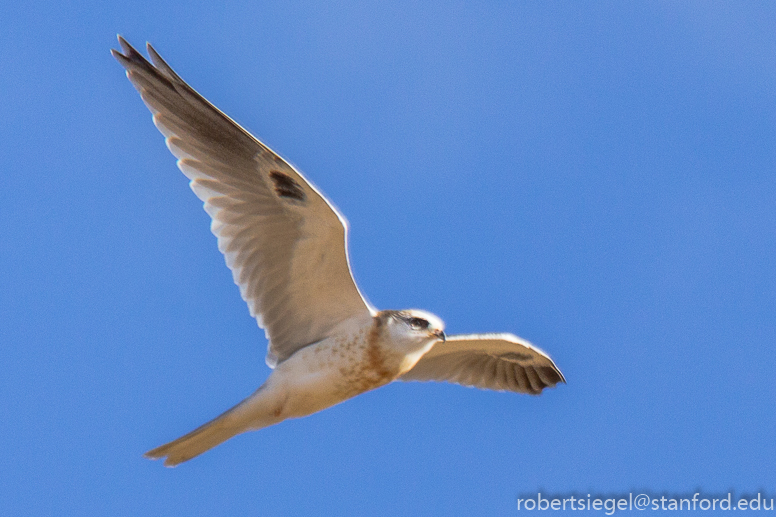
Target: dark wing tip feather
[(127, 50), (130, 58), (560, 374), (119, 56), (161, 64), (548, 377), (125, 46), (553, 370)]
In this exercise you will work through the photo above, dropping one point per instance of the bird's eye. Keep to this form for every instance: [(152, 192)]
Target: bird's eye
[(418, 323)]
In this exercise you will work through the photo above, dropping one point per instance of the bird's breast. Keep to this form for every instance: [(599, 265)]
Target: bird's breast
[(368, 361), (358, 358)]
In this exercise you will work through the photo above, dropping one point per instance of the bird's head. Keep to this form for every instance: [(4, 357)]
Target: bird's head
[(415, 326)]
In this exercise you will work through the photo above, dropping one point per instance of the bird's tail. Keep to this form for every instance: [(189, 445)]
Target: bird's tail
[(261, 409)]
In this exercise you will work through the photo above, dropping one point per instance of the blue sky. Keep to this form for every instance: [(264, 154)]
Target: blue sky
[(598, 178)]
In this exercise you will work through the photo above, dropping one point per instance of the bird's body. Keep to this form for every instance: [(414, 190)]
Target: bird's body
[(361, 355), (287, 248)]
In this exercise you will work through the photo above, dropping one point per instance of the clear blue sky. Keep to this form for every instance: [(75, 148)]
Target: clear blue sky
[(598, 178)]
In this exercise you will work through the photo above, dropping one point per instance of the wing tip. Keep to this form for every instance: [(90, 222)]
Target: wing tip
[(119, 54), (518, 340), (123, 43), (127, 50)]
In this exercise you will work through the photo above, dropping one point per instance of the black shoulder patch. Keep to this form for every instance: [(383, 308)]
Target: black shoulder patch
[(286, 186)]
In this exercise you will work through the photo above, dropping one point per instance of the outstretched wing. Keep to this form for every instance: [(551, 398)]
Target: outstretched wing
[(502, 362), (284, 242)]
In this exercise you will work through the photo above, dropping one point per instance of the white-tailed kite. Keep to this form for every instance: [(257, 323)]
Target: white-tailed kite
[(287, 248)]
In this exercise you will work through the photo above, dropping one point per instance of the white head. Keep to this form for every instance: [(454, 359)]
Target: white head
[(412, 326)]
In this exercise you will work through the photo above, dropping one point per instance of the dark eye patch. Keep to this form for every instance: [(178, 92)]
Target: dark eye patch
[(418, 323)]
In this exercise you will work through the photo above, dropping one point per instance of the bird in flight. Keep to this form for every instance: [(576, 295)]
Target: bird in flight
[(286, 245)]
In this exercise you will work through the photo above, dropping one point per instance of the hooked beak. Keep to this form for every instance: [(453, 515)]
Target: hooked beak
[(441, 335)]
